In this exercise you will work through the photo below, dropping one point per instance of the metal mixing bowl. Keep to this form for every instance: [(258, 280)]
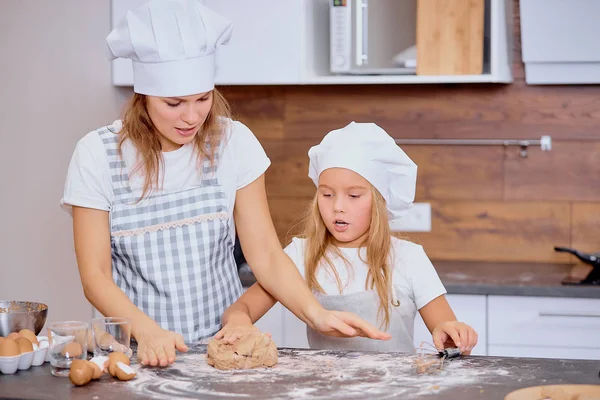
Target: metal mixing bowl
[(17, 315)]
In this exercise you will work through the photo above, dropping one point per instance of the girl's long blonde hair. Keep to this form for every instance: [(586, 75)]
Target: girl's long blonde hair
[(378, 250), (138, 127)]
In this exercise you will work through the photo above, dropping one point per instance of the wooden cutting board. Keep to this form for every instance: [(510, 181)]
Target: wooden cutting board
[(450, 37), (556, 392)]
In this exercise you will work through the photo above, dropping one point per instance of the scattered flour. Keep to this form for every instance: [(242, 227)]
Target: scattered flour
[(309, 374)]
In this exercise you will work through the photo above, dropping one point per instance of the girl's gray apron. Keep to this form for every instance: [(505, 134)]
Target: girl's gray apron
[(366, 305), (172, 254)]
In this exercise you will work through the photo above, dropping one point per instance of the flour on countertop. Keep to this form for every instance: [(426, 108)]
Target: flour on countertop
[(309, 374)]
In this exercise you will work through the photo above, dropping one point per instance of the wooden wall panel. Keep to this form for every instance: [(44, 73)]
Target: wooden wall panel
[(585, 227), (288, 174), (287, 213), (458, 172), (261, 108), (497, 111), (470, 230), (571, 172), (451, 172), (497, 231)]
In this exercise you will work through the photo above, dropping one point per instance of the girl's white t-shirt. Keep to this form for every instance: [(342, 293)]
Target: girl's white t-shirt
[(413, 273), (241, 161)]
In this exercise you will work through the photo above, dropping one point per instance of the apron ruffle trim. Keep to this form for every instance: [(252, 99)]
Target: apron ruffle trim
[(170, 225)]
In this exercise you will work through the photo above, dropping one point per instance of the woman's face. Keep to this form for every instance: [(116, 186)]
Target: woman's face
[(345, 202), (178, 119)]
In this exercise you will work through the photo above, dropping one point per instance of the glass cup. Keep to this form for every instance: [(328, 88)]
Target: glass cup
[(111, 334), (67, 341)]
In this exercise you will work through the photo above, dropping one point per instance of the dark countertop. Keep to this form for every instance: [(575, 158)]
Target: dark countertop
[(503, 279), (313, 374)]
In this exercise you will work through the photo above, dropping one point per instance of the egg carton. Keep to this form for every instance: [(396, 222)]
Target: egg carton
[(24, 361)]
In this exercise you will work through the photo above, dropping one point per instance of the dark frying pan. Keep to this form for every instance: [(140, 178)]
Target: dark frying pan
[(593, 259)]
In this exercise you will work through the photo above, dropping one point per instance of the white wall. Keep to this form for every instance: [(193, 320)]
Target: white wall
[(54, 87)]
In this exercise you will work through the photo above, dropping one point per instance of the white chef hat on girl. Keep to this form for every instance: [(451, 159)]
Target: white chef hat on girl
[(369, 151), (172, 44)]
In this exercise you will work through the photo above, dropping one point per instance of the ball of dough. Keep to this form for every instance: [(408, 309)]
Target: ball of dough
[(253, 350)]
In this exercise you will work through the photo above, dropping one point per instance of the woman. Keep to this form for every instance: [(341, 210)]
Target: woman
[(157, 197)]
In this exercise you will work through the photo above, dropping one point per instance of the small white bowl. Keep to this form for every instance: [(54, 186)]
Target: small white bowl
[(39, 356), (26, 360), (9, 365)]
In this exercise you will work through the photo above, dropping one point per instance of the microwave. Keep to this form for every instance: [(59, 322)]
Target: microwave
[(373, 37)]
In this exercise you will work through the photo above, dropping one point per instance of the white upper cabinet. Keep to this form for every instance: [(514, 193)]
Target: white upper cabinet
[(265, 47), (560, 41), (288, 42)]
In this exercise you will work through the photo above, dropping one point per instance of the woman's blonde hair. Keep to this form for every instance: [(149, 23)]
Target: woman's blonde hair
[(378, 245), (138, 127)]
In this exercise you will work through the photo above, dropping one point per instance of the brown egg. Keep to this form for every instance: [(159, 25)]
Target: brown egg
[(114, 358), (9, 348), (124, 372), (26, 333), (81, 337), (13, 336), (1, 339), (81, 372), (101, 362), (24, 345), (97, 371), (72, 350)]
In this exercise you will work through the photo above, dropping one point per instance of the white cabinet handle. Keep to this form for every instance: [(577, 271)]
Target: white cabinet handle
[(365, 31), (554, 314), (362, 32)]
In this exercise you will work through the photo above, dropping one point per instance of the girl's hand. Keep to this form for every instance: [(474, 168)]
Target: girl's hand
[(233, 331), (157, 346), (454, 334), (345, 324)]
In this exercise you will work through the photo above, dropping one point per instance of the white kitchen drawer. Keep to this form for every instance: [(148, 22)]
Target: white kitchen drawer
[(544, 352), (470, 309), (544, 321)]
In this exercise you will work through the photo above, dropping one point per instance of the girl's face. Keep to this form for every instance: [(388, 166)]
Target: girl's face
[(178, 119), (345, 201)]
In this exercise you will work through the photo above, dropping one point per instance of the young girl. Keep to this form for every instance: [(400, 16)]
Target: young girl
[(348, 255), (157, 197)]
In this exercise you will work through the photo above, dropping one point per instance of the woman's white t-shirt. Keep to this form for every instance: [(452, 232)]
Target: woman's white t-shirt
[(413, 273), (241, 161)]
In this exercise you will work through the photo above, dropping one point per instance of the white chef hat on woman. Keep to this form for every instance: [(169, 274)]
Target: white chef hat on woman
[(368, 150), (172, 44)]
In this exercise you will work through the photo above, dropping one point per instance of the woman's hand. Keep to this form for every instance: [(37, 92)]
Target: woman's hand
[(233, 331), (345, 324), (454, 334), (157, 346)]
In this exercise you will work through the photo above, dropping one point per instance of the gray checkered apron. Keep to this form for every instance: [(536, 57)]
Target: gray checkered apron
[(366, 305), (172, 253)]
